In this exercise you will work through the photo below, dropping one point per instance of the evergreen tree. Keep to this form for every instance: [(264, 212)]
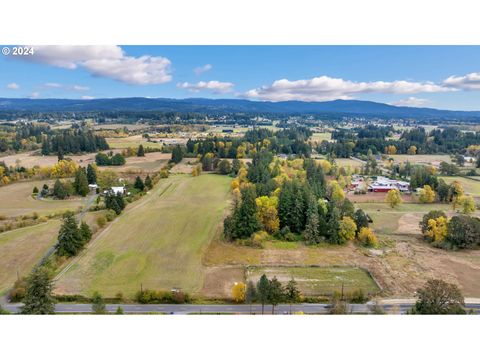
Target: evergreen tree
[(246, 218), (333, 226), (312, 228), (59, 190), (263, 290), (85, 232), (139, 184), (292, 294), (70, 240), (177, 154), (91, 174), (120, 201), (81, 183), (250, 294), (236, 165), (148, 182), (38, 297), (141, 151), (275, 293), (46, 149), (361, 219)]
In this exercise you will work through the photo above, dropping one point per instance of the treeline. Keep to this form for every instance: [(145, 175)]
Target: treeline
[(303, 207), (73, 141), (377, 139)]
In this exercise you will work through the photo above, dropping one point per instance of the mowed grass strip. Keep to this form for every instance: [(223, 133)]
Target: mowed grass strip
[(158, 243), (21, 249), (316, 281), (16, 199)]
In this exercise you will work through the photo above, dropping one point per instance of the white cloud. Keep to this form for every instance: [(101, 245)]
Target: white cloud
[(35, 95), (80, 88), (214, 86), (13, 86), (87, 97), (411, 101), (53, 85), (326, 88), (107, 61), (201, 69), (468, 82)]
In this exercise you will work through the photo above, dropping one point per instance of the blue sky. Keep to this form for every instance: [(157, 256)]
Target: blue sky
[(445, 77)]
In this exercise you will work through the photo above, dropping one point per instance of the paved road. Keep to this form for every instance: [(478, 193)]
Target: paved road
[(224, 309)]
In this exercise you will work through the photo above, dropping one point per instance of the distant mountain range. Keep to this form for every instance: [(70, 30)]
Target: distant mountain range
[(339, 107)]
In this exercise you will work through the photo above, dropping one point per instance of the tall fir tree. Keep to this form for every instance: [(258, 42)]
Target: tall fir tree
[(81, 183), (91, 174), (148, 182), (38, 298), (141, 151), (139, 185), (246, 218), (263, 291), (333, 226), (59, 190), (70, 240)]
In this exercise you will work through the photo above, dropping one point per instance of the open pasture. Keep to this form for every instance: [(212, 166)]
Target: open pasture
[(434, 160), (157, 243), (471, 186), (21, 249), (316, 281), (16, 199)]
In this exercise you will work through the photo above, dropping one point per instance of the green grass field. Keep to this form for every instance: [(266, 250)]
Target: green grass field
[(319, 137), (16, 199), (158, 243), (131, 141), (314, 281), (349, 162), (470, 186), (21, 249), (421, 159)]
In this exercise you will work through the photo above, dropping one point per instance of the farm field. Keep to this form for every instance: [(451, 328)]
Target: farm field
[(120, 126), (316, 281), (470, 186), (132, 141), (151, 162), (157, 243), (30, 160), (16, 199), (319, 137), (349, 162), (21, 249), (421, 159)]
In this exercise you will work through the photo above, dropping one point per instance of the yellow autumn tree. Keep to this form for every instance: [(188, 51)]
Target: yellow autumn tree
[(467, 204), (335, 192), (437, 229), (326, 165), (456, 193), (347, 230), (367, 237), (412, 150), (267, 213), (64, 168), (390, 150), (427, 195), (393, 198), (238, 292)]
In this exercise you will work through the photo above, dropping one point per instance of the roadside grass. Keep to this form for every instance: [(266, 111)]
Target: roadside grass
[(157, 244), (21, 249), (316, 281), (16, 199)]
